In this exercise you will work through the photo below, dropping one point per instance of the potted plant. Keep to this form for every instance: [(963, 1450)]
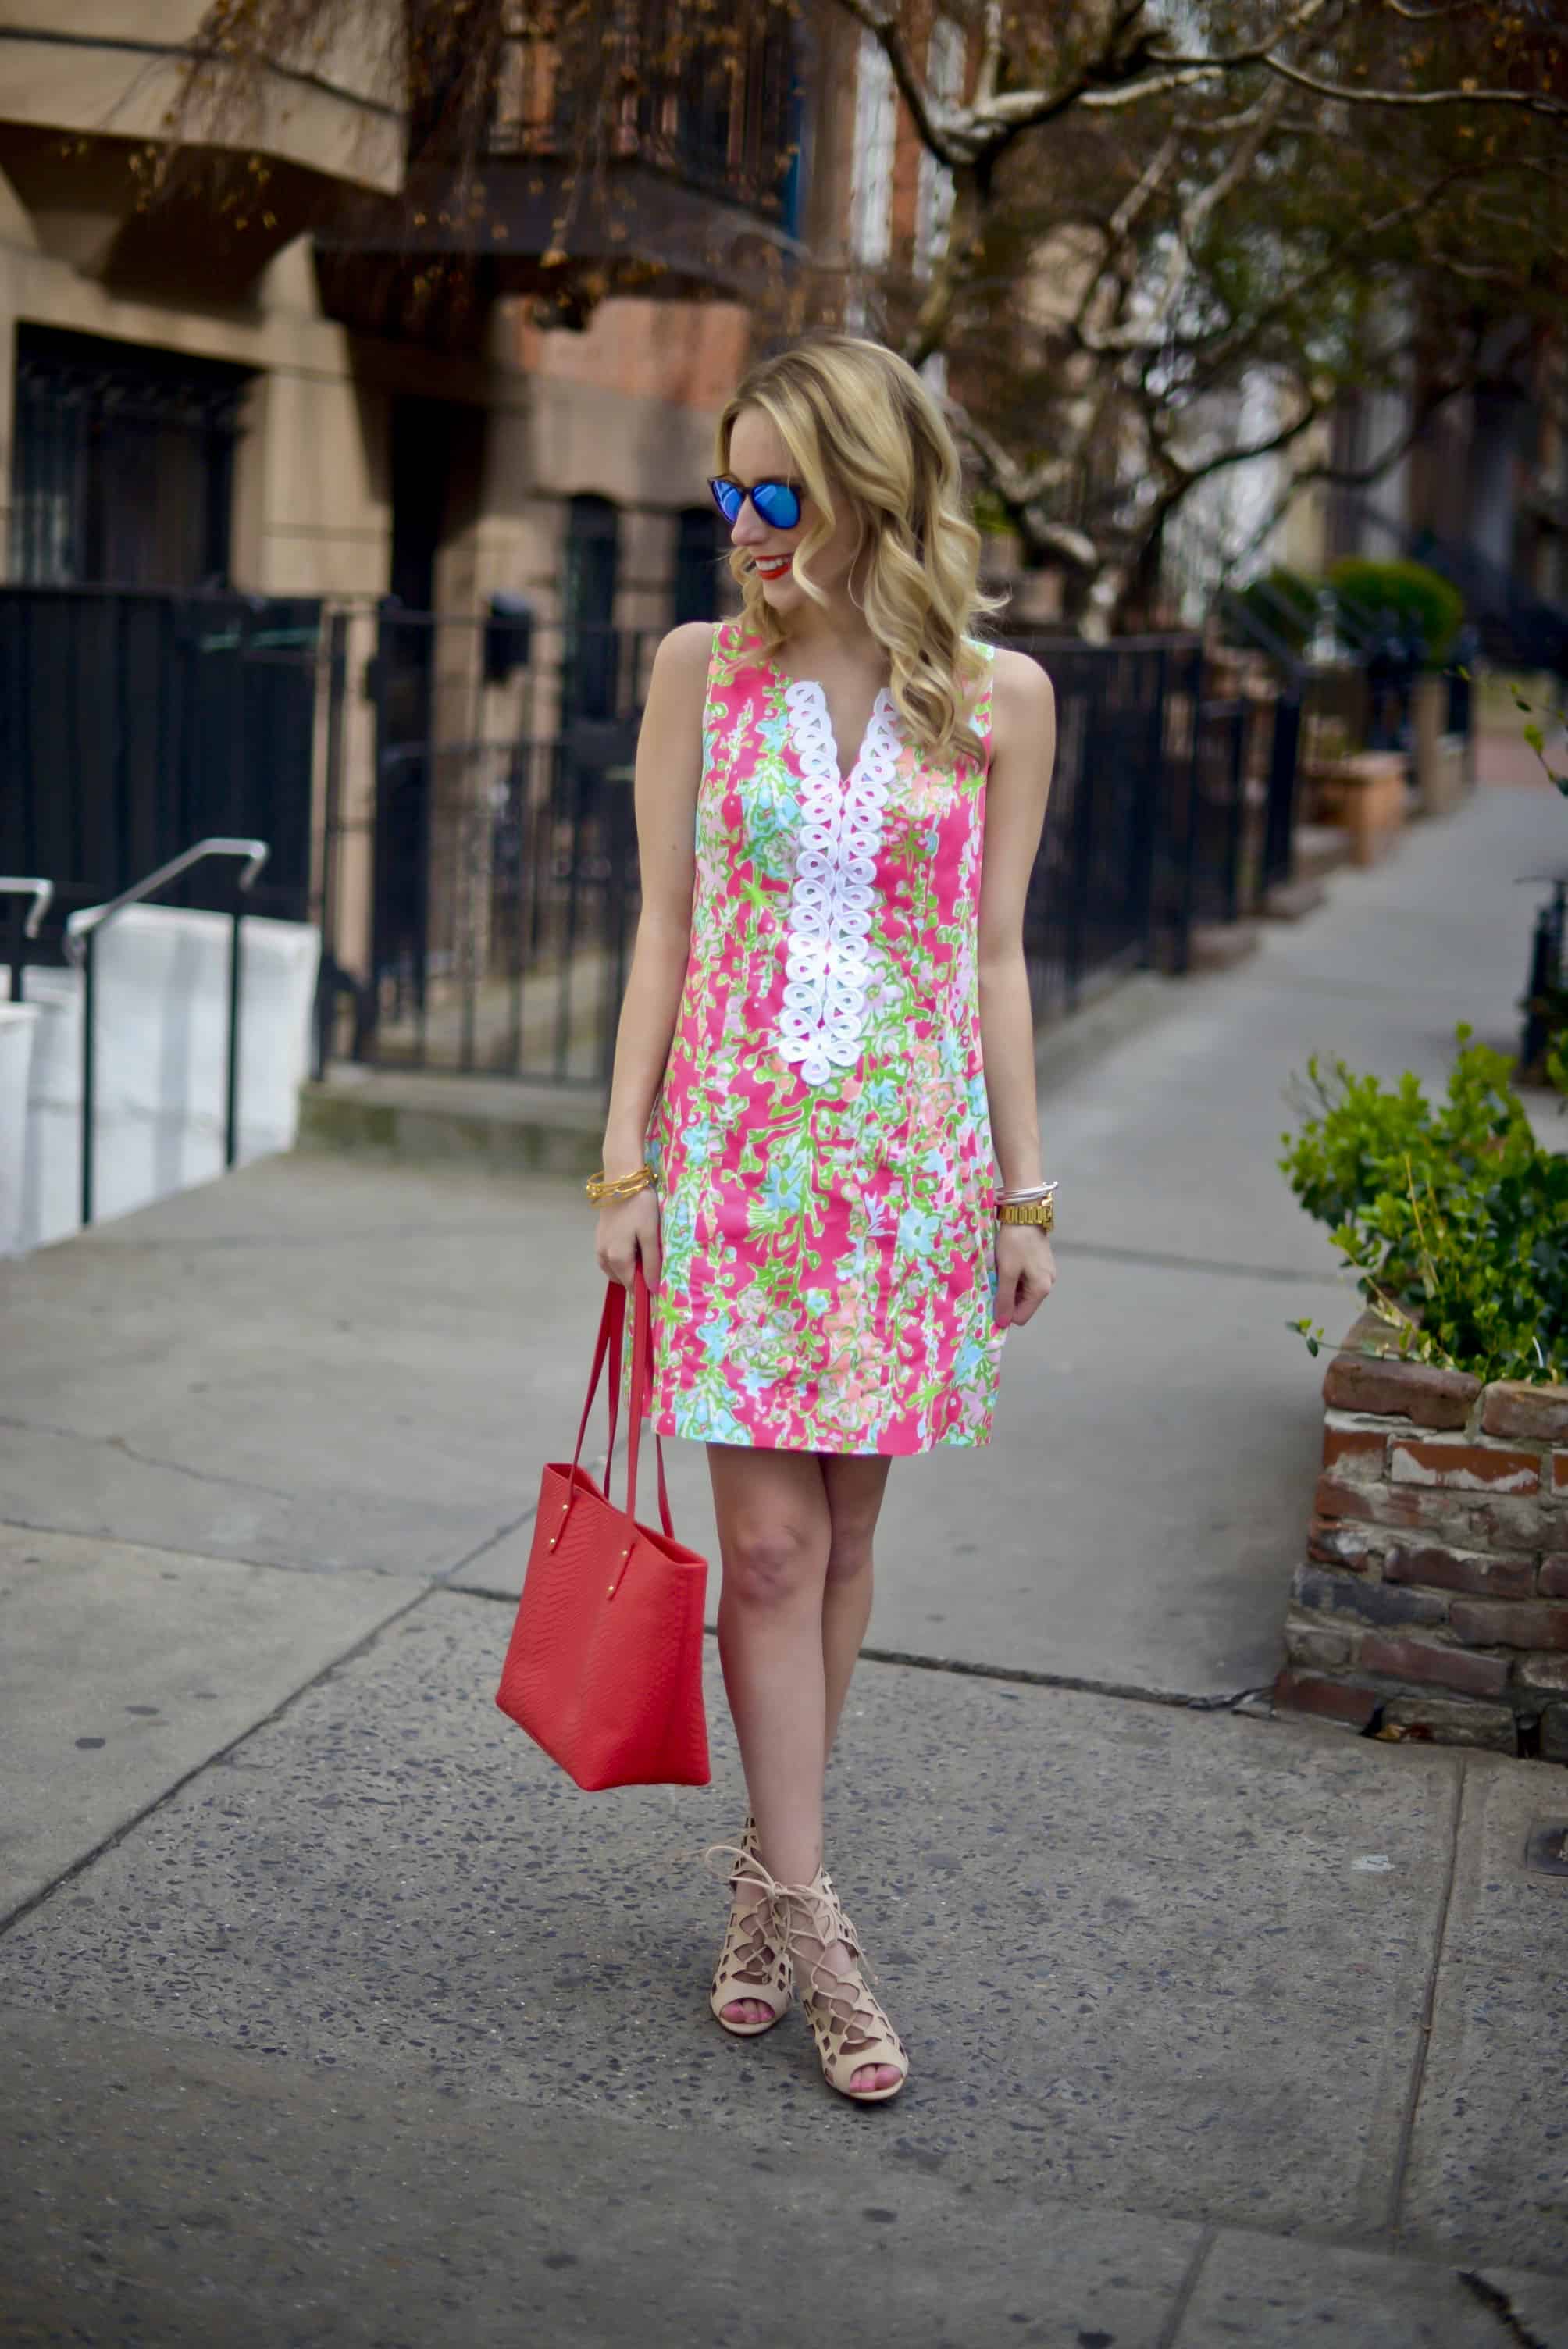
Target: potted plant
[(1426, 612), (1455, 1217)]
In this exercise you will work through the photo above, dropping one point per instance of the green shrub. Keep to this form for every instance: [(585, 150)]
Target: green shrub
[(1285, 602), (1420, 599), (1455, 1218)]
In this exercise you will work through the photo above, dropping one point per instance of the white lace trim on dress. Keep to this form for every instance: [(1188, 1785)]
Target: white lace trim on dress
[(822, 1019)]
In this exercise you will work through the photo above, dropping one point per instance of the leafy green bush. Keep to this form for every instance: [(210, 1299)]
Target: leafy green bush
[(1455, 1218), (1285, 602), (1420, 599)]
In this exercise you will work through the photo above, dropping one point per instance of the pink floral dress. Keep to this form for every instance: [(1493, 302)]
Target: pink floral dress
[(820, 1138)]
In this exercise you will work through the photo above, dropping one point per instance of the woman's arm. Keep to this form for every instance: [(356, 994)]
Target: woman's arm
[(669, 768), (1023, 753)]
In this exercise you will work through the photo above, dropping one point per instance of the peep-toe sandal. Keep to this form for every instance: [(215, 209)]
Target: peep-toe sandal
[(753, 1963), (849, 2023)]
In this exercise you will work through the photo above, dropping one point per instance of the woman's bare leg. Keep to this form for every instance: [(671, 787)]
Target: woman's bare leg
[(775, 1536), (855, 1485)]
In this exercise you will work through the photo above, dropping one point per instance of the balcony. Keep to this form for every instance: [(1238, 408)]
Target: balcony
[(669, 175), (86, 90)]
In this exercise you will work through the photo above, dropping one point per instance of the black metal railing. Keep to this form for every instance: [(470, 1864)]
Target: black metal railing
[(81, 948), (717, 114), (1545, 998), (28, 899)]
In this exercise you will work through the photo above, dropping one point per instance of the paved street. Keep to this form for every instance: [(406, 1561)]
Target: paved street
[(333, 2014)]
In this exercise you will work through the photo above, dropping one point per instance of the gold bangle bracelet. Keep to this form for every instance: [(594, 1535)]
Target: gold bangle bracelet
[(601, 1187)]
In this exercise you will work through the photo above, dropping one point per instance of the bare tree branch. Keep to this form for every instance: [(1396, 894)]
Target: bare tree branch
[(1147, 332), (1351, 477), (1216, 351), (1529, 101), (941, 123), (1015, 484)]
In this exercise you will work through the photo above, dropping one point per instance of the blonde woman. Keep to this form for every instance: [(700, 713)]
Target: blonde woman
[(824, 1082)]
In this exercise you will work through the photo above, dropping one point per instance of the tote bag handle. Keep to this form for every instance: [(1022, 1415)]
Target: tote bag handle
[(610, 1340)]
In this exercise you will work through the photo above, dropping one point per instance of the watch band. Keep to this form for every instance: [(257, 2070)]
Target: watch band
[(1042, 1211)]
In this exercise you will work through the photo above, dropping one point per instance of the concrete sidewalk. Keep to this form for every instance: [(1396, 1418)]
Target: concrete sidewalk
[(334, 2015)]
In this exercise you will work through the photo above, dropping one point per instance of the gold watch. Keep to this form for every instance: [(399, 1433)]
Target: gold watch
[(1042, 1211)]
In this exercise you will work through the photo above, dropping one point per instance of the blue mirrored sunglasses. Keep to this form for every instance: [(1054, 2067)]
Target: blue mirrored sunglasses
[(777, 504)]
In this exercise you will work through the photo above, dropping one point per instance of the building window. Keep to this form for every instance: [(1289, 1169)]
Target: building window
[(701, 544), (123, 472), (871, 184), (593, 564), (933, 207)]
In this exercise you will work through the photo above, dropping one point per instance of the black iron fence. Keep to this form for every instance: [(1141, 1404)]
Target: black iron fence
[(439, 799), (1171, 806), (479, 902), (479, 898)]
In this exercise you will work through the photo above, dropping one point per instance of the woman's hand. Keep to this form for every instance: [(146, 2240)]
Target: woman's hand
[(629, 1229), (1025, 1269)]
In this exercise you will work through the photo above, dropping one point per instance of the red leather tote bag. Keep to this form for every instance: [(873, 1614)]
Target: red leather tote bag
[(604, 1665)]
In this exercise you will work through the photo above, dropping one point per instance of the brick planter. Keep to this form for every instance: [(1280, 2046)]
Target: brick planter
[(1434, 1592)]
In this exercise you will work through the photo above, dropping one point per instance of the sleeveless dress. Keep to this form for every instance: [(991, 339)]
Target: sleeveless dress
[(821, 1139)]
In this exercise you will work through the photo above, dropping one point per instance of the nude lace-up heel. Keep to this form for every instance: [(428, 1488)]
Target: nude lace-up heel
[(754, 1962), (850, 2026)]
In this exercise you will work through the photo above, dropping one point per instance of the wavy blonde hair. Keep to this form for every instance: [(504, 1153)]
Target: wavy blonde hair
[(863, 431)]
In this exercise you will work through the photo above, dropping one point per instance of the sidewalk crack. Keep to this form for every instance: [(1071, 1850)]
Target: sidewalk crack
[(1502, 2307), (1429, 2011), (1172, 1260), (489, 1543), (1021, 1676), (222, 1756), (1171, 2331), (1251, 1700), (129, 1451)]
